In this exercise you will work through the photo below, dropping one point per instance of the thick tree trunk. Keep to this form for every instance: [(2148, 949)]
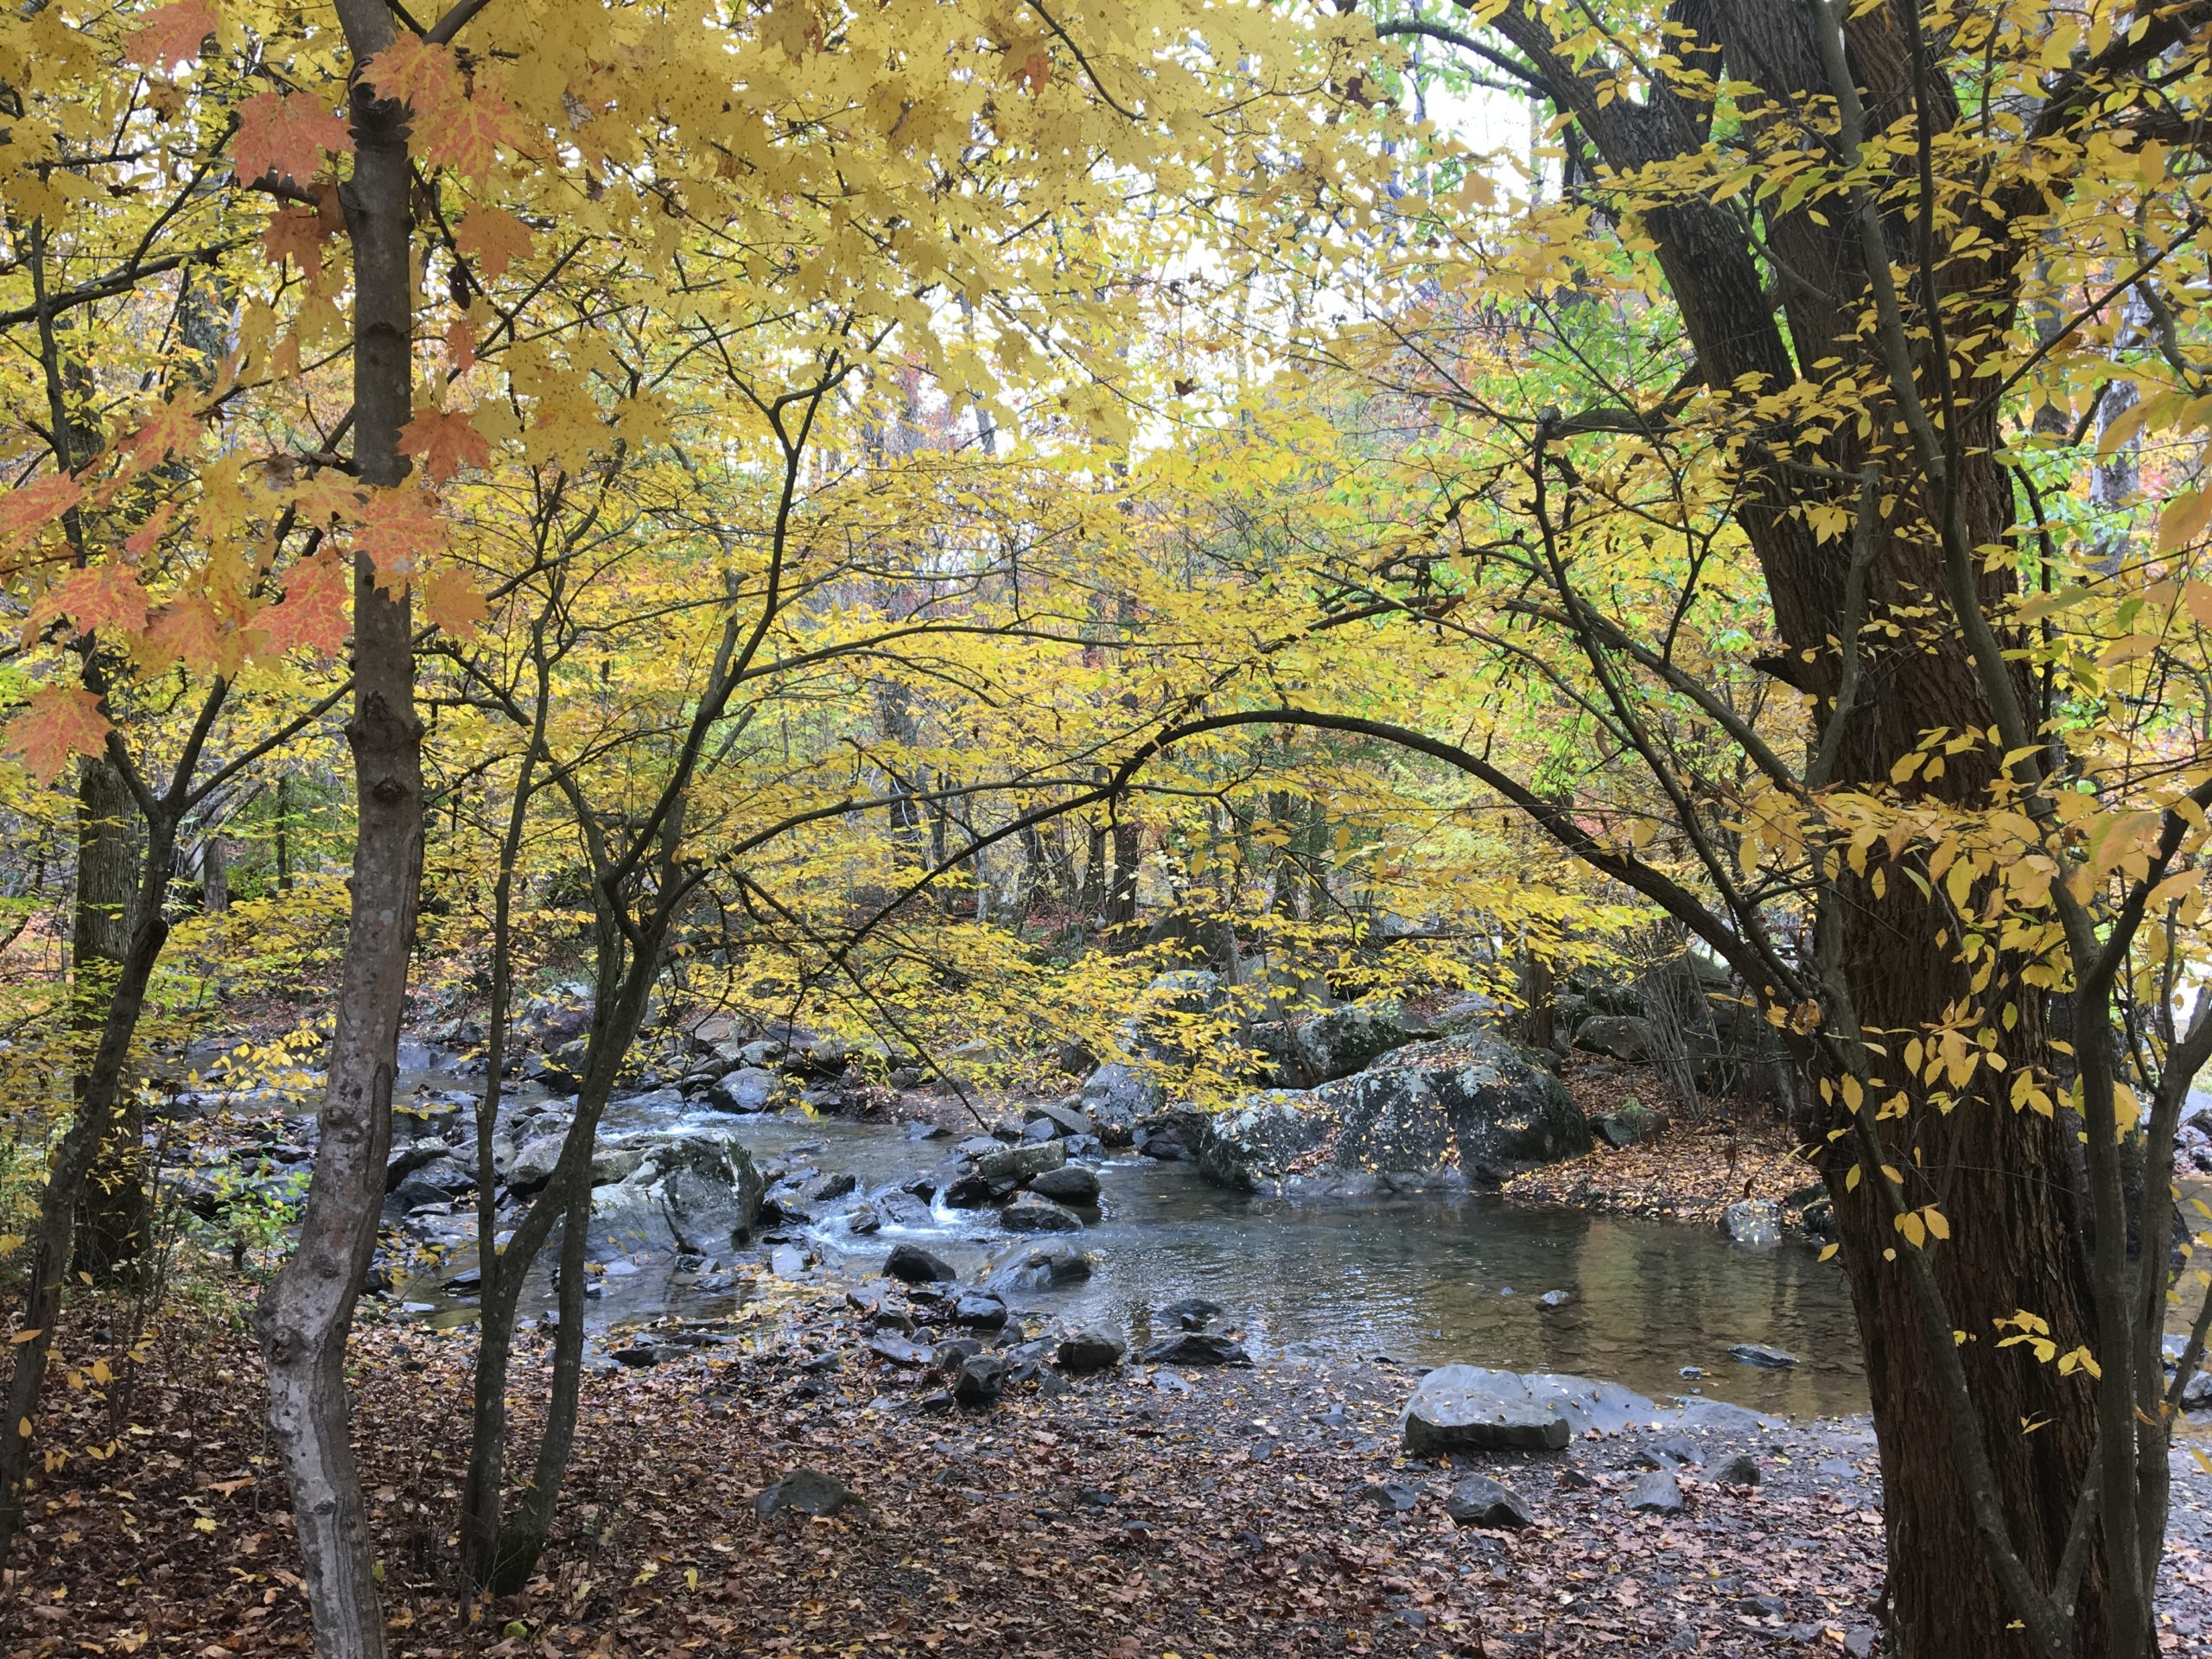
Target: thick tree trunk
[(112, 1214), (307, 1311)]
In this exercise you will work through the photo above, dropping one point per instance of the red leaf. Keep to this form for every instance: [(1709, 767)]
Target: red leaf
[(423, 76), (298, 234), (189, 630), (173, 35), (175, 425), (59, 721), (451, 601), (447, 443), (474, 129), (31, 508), (286, 134), (98, 596), (397, 529), (460, 345), (492, 237), (312, 613)]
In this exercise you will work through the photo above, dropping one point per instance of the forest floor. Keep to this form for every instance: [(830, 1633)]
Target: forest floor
[(1144, 1513)]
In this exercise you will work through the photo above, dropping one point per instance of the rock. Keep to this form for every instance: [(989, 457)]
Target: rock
[(1678, 1448), (1752, 1221), (1114, 1096), (947, 1356), (1032, 1214), (787, 1262), (612, 1164), (1758, 1354), (1478, 1501), (1453, 1105), (979, 1310), (1069, 1184), (1082, 1352), (823, 1188), (697, 1192), (1192, 1312), (1044, 1267), (1617, 1130), (980, 1379), (1022, 1163), (1390, 1497), (1332, 1044), (809, 1492), (971, 1190), (1197, 1348), (748, 1089), (405, 1160), (1556, 1298), (916, 1266), (1471, 1409), (901, 1351), (534, 1161), (1659, 1493), (2197, 1393), (1064, 1120), (1760, 1606), (1742, 1470), (1165, 1147), (1618, 1036)]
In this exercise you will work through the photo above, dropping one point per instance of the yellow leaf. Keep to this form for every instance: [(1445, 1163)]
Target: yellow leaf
[(2183, 522)]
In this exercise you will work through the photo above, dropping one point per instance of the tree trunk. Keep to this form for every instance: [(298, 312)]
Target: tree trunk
[(112, 1213), (308, 1310)]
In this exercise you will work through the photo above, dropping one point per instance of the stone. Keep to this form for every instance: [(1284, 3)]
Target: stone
[(1478, 1501), (1069, 1184), (1471, 1408), (697, 1192), (405, 1160), (1759, 1606), (1765, 1358), (1046, 1267), (1556, 1298), (980, 1310), (534, 1161), (981, 1380), (1332, 1043), (1390, 1497), (1617, 1036), (1192, 1312), (2197, 1393), (1197, 1348), (1677, 1448), (947, 1356), (1021, 1163), (1742, 1470), (914, 1265), (1114, 1096), (787, 1262), (1065, 1120), (748, 1089), (1752, 1221), (1031, 1214), (823, 1188), (1165, 1147), (1659, 1493), (901, 1351), (1084, 1351), (807, 1492)]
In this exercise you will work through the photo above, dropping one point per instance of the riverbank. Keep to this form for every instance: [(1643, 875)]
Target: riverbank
[(1153, 1510)]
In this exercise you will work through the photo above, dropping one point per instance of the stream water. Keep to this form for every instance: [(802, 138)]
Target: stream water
[(1426, 1280)]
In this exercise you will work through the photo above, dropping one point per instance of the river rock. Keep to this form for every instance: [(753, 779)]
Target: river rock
[(981, 1380), (1478, 1501), (1021, 1163), (1197, 1348), (1465, 1104), (1471, 1408), (809, 1492), (1064, 1120), (1332, 1044), (1082, 1352), (901, 1351), (2197, 1393), (748, 1089), (1032, 1214), (1617, 1036), (1069, 1184), (1657, 1493), (1114, 1096), (697, 1192), (1752, 1221), (405, 1158), (534, 1161), (1765, 1358), (1742, 1470), (916, 1266), (979, 1310), (1046, 1267), (1192, 1312)]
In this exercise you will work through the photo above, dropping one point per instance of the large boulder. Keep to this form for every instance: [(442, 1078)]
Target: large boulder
[(1021, 1163), (697, 1193), (1043, 1266), (1332, 1044), (1470, 1104), (1619, 1036), (748, 1089), (1032, 1214), (1473, 1408), (1114, 1096)]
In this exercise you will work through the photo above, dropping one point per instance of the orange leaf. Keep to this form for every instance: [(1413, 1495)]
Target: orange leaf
[(175, 425), (397, 529), (447, 443), (421, 75), (31, 508), (450, 601), (60, 721), (460, 345), (189, 630), (298, 234), (472, 133), (492, 237), (312, 614), (99, 596), (286, 134), (173, 35)]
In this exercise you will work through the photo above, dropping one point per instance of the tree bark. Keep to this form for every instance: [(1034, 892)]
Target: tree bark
[(307, 1311), (112, 1213)]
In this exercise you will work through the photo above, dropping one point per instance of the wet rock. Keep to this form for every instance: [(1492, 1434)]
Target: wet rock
[(980, 1310), (1471, 1409), (1163, 1145), (405, 1160), (1618, 1036), (981, 1380), (947, 1356), (808, 1491), (823, 1188), (1478, 1501), (1659, 1493), (1082, 1352), (787, 1262), (1742, 1470), (1197, 1348), (1752, 1221), (916, 1266), (1677, 1449), (1114, 1096), (1192, 1312), (612, 1164), (534, 1161), (748, 1089), (1556, 1298), (863, 1219), (2196, 1394), (1070, 1184), (1044, 1267), (973, 1190), (1021, 1163), (697, 1192), (901, 1351), (1032, 1214), (1065, 1120), (1765, 1358)]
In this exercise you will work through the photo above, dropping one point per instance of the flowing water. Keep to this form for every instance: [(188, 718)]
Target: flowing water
[(1426, 1280)]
